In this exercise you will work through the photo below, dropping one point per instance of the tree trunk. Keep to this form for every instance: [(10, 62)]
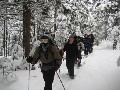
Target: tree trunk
[(55, 16), (4, 39), (26, 28)]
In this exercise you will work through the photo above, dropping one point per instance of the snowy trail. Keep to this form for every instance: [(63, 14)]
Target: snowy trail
[(99, 72)]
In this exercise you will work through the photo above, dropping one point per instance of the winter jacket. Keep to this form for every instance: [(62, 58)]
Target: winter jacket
[(47, 58), (86, 42), (71, 50)]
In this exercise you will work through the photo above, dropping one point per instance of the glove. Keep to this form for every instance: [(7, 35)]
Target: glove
[(29, 59), (57, 64)]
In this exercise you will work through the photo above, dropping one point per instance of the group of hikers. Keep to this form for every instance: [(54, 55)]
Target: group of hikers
[(51, 56)]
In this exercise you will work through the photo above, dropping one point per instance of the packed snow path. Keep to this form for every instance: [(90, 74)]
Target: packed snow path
[(99, 72)]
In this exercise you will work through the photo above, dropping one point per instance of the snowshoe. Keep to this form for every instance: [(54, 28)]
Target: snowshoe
[(72, 77), (67, 73), (33, 67)]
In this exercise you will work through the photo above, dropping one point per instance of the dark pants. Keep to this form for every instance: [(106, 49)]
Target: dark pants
[(48, 77), (70, 65), (114, 46), (80, 56), (86, 50), (90, 48)]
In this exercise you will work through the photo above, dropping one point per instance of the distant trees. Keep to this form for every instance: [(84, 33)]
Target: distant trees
[(29, 18)]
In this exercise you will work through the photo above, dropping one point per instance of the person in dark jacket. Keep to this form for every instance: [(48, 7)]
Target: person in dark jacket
[(91, 41), (48, 54), (71, 54), (86, 43)]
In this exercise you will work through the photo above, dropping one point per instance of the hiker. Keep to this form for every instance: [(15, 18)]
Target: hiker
[(76, 42), (118, 62), (91, 42), (114, 44), (86, 43), (71, 54), (80, 49), (47, 53)]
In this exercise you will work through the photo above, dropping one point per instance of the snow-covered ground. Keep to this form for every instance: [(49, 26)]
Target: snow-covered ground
[(99, 72)]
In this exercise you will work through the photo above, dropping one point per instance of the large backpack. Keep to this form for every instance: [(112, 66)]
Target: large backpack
[(56, 63)]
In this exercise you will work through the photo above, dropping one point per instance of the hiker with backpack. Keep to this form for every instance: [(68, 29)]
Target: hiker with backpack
[(71, 50), (86, 43), (80, 49), (48, 54), (91, 40)]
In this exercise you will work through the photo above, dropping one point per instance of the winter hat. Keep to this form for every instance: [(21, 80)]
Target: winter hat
[(45, 38), (71, 36)]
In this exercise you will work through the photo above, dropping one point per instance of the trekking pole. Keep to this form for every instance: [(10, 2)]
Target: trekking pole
[(29, 77), (3, 71), (59, 70), (60, 80)]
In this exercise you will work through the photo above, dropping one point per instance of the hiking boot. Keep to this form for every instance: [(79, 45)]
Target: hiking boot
[(72, 77), (79, 64), (67, 73), (33, 67)]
